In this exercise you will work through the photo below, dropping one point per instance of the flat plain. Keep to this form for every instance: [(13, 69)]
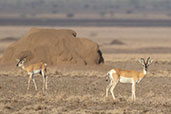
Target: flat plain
[(81, 89)]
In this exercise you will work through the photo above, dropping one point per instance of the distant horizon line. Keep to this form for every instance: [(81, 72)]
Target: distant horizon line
[(86, 22)]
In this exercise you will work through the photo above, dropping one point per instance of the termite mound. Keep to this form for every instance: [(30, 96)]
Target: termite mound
[(55, 47)]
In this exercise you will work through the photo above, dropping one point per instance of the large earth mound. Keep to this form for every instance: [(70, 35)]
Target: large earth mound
[(54, 47)]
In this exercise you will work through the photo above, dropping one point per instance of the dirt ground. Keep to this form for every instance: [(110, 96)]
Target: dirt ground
[(81, 89)]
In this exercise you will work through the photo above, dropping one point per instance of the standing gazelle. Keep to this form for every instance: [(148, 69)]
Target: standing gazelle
[(34, 69), (126, 76)]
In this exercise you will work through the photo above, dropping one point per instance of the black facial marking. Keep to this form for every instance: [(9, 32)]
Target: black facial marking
[(146, 67), (18, 63)]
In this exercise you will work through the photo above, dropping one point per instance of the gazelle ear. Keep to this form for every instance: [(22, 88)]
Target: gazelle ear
[(142, 61), (150, 61), (17, 60), (24, 59)]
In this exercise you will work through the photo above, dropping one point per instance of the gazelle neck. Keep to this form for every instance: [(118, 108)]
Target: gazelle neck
[(144, 71), (23, 67), (142, 75)]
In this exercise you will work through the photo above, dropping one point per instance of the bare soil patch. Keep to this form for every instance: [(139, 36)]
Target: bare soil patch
[(73, 93)]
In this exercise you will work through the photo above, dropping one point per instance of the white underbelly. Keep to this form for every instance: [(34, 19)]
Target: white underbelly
[(125, 79), (34, 72)]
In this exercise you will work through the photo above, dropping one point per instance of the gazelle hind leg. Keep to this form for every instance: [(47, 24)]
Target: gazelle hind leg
[(108, 87)]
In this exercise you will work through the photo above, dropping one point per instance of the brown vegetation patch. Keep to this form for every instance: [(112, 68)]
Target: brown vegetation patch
[(8, 39), (117, 42)]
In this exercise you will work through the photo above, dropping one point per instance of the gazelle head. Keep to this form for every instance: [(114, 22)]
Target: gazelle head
[(20, 62), (146, 63)]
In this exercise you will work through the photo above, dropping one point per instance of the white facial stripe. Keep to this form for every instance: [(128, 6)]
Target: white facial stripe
[(126, 80)]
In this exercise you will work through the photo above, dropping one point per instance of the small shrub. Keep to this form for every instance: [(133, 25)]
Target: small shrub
[(117, 42)]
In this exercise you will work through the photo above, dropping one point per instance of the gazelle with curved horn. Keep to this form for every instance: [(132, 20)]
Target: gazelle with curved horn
[(34, 69), (127, 76)]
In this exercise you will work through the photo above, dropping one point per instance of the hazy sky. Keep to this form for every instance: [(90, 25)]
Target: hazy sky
[(85, 6)]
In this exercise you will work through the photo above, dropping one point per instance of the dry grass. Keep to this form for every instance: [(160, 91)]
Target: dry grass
[(67, 94), (80, 89)]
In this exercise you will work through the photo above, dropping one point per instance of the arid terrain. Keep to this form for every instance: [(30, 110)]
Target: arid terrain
[(81, 89)]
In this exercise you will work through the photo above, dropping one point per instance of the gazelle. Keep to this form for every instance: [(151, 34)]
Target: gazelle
[(127, 76), (34, 69)]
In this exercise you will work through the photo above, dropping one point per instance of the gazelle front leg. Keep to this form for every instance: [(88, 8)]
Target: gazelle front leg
[(108, 87), (133, 91), (35, 86), (44, 81), (46, 78), (111, 90), (29, 79)]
